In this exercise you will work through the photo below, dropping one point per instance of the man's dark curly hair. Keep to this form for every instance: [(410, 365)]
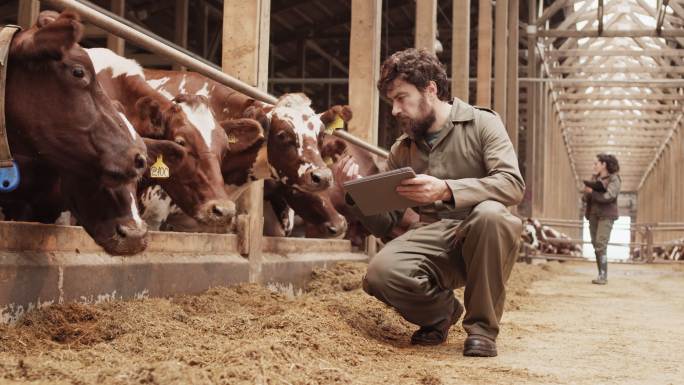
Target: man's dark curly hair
[(611, 162), (415, 66)]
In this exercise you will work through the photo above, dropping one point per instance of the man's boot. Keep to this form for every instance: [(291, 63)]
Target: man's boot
[(602, 262)]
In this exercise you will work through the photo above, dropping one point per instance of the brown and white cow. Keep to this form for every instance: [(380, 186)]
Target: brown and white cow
[(288, 153), (55, 107), (73, 149), (196, 184)]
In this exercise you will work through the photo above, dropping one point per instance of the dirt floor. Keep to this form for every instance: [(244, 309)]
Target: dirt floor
[(558, 328)]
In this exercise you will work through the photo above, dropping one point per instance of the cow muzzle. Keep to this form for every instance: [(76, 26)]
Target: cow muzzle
[(317, 180), (216, 212), (128, 239)]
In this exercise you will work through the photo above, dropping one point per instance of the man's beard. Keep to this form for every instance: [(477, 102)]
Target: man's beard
[(417, 128)]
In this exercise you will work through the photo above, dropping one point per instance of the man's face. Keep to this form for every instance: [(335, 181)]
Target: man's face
[(413, 109), (599, 166)]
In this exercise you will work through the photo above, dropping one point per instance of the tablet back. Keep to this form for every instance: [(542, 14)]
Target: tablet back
[(376, 193)]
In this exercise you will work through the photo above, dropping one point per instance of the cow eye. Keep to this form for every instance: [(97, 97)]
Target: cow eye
[(78, 72), (282, 136), (180, 141)]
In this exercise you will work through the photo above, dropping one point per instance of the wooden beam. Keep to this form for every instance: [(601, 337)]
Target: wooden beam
[(584, 69), (591, 116), (364, 67), (662, 7), (181, 26), (426, 24), (245, 56), (501, 58), (550, 11), (114, 43), (565, 96), (655, 83), (599, 15), (460, 52), (594, 33), (531, 127), (671, 52), (27, 13), (591, 107), (512, 90), (484, 54)]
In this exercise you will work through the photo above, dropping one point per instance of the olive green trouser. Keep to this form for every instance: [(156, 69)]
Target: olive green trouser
[(599, 229), (417, 272)]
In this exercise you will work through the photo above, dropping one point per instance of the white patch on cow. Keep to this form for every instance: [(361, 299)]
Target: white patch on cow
[(303, 168), (200, 116), (157, 206), (134, 211), (131, 130), (158, 83), (204, 91), (289, 221), (104, 58), (294, 115), (181, 87)]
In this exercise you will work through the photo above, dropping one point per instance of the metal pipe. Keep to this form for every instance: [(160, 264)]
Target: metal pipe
[(145, 39)]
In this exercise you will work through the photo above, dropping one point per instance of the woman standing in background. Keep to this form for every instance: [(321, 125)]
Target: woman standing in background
[(602, 209)]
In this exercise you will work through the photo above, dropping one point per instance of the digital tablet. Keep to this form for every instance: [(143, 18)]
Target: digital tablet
[(377, 194), (595, 185)]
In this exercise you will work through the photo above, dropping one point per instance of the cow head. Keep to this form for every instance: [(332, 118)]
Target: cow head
[(195, 183), (57, 106), (294, 132), (108, 214)]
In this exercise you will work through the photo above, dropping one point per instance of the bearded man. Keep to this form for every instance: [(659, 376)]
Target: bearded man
[(467, 176)]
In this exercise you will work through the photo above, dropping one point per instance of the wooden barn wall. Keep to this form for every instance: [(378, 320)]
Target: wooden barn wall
[(660, 196), (559, 198)]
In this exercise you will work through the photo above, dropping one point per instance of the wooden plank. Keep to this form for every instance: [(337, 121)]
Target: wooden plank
[(460, 52), (426, 24), (114, 43), (181, 27), (632, 69), (501, 58), (245, 55), (594, 33), (512, 90), (592, 107), (483, 96), (615, 52), (27, 13), (364, 68), (640, 96), (531, 127)]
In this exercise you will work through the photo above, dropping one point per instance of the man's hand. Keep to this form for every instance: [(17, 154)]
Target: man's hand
[(344, 170), (424, 189), (588, 190)]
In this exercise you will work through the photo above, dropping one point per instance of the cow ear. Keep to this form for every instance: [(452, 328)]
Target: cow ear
[(242, 134), (151, 117), (343, 112), (49, 37), (172, 153)]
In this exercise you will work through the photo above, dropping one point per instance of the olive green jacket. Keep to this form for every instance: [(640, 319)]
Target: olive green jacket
[(472, 153), (604, 204)]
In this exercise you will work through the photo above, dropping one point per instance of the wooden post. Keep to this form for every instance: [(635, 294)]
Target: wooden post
[(27, 13), (484, 55), (531, 144), (181, 30), (364, 68), (460, 51), (512, 89), (501, 58), (426, 24), (117, 44), (245, 56)]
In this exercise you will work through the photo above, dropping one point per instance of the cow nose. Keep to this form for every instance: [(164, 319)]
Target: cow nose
[(222, 211), (332, 230), (321, 178), (140, 161), (130, 232)]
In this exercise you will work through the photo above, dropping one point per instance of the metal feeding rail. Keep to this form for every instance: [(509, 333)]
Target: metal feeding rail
[(146, 39)]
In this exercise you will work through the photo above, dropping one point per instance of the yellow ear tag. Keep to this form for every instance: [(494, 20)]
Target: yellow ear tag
[(232, 139), (328, 161), (334, 125), (159, 169)]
